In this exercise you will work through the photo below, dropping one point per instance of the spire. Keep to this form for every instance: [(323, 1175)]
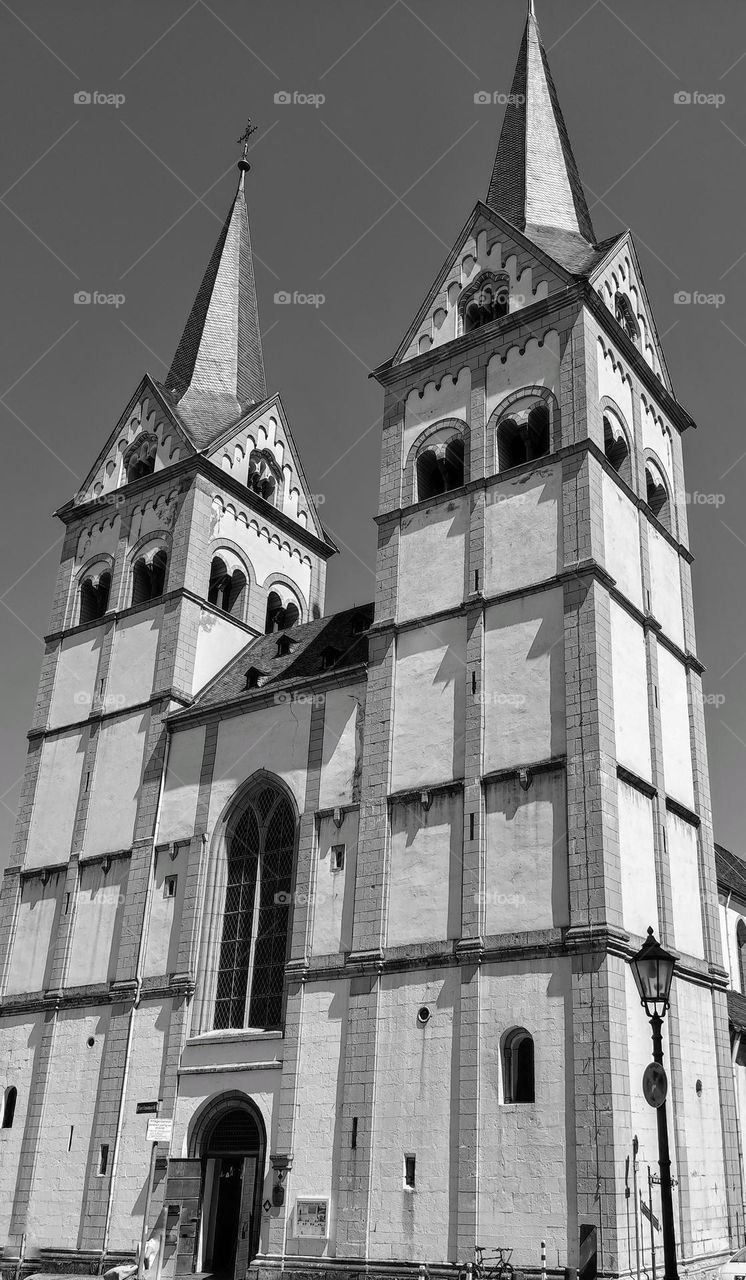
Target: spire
[(535, 181), (218, 368)]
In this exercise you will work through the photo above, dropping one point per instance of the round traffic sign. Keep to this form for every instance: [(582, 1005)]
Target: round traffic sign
[(655, 1084)]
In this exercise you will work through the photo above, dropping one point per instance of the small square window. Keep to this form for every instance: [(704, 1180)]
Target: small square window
[(169, 886), (409, 1171), (338, 857)]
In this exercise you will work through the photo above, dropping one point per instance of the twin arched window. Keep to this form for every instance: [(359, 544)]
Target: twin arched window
[(265, 477), (149, 576), (518, 1066), (486, 300), (625, 314), (656, 494), (140, 460), (227, 587), (523, 437), (253, 949), (440, 468), (616, 448), (94, 596), (8, 1107), (280, 617)]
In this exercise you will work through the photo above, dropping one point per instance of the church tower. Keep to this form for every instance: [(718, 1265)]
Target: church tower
[(193, 533), (536, 754), (350, 900)]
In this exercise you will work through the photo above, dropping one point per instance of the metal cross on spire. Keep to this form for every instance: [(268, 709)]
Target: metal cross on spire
[(244, 139)]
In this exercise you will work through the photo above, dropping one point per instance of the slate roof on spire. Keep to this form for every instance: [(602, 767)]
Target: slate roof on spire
[(535, 181), (218, 369)]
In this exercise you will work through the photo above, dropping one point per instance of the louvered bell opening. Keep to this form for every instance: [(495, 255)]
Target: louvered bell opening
[(235, 1132)]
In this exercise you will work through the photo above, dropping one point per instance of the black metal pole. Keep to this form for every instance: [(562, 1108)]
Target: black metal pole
[(664, 1164)]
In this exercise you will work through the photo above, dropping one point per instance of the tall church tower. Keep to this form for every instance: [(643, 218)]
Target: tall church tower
[(193, 533), (537, 752)]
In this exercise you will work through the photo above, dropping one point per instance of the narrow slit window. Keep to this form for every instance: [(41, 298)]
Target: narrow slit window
[(409, 1171), (169, 886), (338, 857), (103, 1159)]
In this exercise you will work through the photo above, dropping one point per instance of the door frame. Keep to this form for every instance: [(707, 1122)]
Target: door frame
[(200, 1131)]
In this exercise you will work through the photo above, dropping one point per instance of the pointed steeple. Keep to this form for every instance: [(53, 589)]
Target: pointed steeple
[(535, 180), (218, 368)]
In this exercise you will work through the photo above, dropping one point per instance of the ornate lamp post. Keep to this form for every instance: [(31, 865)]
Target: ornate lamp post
[(653, 971)]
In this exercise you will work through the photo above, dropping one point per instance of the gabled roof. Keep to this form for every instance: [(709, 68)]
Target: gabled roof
[(535, 180), (309, 642), (218, 368)]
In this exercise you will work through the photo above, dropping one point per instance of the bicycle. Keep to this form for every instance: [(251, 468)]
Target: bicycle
[(496, 1266)]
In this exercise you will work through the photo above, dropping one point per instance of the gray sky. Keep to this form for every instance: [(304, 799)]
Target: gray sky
[(359, 199)]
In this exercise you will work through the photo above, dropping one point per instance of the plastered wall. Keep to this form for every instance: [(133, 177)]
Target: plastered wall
[(518, 1139), (526, 856), (429, 690), (179, 800), (523, 674), (75, 677), (637, 858), (630, 684), (218, 640), (683, 847), (164, 921), (341, 753), (38, 914), (133, 657), (19, 1044), (535, 364), (316, 1146), (98, 923), (674, 704), (621, 540), (425, 870), (334, 890), (56, 799), (412, 1116), (116, 782), (432, 554), (522, 518), (57, 1194), (274, 738)]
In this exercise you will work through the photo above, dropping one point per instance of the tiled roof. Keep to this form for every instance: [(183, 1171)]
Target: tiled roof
[(731, 871), (336, 640), (535, 179), (571, 251)]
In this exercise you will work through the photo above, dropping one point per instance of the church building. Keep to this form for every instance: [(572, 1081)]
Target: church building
[(345, 903)]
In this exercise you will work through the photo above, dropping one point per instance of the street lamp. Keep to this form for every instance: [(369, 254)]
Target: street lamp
[(653, 971)]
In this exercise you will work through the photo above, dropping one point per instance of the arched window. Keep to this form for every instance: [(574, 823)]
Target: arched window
[(486, 300), (625, 314), (280, 617), (440, 468), (616, 448), (741, 944), (9, 1107), (149, 576), (518, 1066), (656, 495), (94, 596), (265, 477), (140, 460), (227, 587), (253, 950), (523, 437)]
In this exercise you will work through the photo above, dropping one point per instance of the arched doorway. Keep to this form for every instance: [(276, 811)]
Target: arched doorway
[(229, 1139)]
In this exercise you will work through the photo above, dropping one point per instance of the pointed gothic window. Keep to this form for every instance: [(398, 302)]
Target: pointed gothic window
[(94, 596), (524, 437), (227, 588), (149, 576), (253, 950)]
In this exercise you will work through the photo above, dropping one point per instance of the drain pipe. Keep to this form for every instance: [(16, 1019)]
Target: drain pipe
[(131, 1021)]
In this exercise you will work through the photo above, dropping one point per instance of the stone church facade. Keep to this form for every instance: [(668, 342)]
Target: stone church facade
[(350, 899)]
